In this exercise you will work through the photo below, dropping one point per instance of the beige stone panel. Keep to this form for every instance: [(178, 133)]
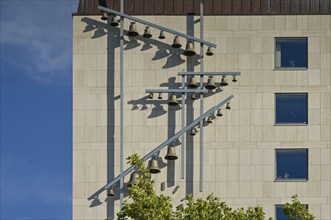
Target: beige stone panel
[(232, 45), (268, 61), (244, 61), (256, 173), (314, 22), (314, 188), (325, 100), (314, 45), (326, 188), (302, 22), (257, 156), (268, 189), (256, 22), (314, 100), (280, 22), (291, 189), (256, 189), (244, 45), (268, 133), (256, 45), (314, 133), (244, 22), (314, 172), (302, 77), (280, 77), (268, 23), (325, 116), (268, 157), (325, 133), (244, 173), (233, 189), (245, 157), (256, 77), (291, 22), (302, 133), (256, 61), (290, 79), (268, 100), (221, 173), (244, 190), (314, 116), (233, 173), (325, 212), (325, 44), (268, 117), (78, 62), (221, 189), (280, 189), (78, 212), (325, 61), (233, 156), (78, 135), (78, 174), (268, 172), (325, 22), (314, 61), (290, 134), (325, 156), (314, 156)]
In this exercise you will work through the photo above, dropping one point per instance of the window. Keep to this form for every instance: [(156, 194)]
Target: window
[(291, 108), (280, 214), (291, 164), (291, 52)]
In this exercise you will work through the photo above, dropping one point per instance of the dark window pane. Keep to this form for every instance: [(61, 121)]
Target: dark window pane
[(292, 164), (291, 52), (279, 213), (291, 108)]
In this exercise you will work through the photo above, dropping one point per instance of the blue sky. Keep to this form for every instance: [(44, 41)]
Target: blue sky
[(36, 100)]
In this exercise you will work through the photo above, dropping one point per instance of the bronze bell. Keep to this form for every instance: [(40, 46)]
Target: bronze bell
[(104, 15), (171, 154), (173, 100), (209, 120), (224, 82), (192, 83), (147, 33), (234, 79), (194, 131), (210, 51), (193, 97), (110, 192), (154, 166), (151, 95), (228, 105), (133, 30), (189, 51), (176, 43), (219, 113), (133, 179), (210, 84), (159, 96), (161, 36), (114, 21)]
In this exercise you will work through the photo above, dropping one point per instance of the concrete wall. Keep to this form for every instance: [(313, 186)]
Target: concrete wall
[(239, 148)]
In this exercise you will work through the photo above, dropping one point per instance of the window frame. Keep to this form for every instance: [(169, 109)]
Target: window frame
[(291, 123), (291, 179), (290, 68)]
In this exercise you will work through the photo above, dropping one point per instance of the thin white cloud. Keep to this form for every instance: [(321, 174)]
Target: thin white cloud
[(39, 33)]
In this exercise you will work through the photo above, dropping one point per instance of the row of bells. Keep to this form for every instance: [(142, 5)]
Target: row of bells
[(133, 32)]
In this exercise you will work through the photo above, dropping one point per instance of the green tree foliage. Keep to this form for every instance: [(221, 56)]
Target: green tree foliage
[(145, 204), (296, 210)]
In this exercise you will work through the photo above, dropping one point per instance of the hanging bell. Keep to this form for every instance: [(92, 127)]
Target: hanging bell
[(104, 15), (173, 100), (234, 79), (160, 96), (133, 30), (151, 95), (210, 84), (133, 179), (154, 166), (171, 154), (194, 131), (210, 51), (228, 105), (193, 97), (192, 83), (161, 36), (209, 120), (223, 81), (147, 33), (110, 192), (189, 51), (219, 113), (176, 43), (114, 22)]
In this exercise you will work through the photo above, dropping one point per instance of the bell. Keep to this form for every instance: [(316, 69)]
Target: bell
[(224, 82), (219, 113), (209, 120), (228, 105), (104, 15), (234, 79), (176, 43), (114, 21), (110, 192), (160, 96), (147, 33), (193, 97), (192, 83), (161, 36), (173, 100), (189, 51), (150, 95), (210, 51), (154, 166), (171, 154), (194, 131), (133, 179), (133, 30), (210, 84)]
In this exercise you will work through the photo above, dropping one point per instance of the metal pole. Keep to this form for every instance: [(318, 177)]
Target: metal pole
[(183, 126), (121, 103), (201, 99)]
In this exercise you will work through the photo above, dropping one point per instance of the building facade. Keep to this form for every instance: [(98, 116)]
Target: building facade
[(274, 142)]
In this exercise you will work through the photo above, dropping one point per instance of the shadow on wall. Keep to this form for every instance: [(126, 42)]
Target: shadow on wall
[(173, 55)]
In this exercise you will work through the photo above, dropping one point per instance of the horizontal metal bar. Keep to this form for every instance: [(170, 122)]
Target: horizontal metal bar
[(176, 91), (111, 11), (208, 73), (167, 142)]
